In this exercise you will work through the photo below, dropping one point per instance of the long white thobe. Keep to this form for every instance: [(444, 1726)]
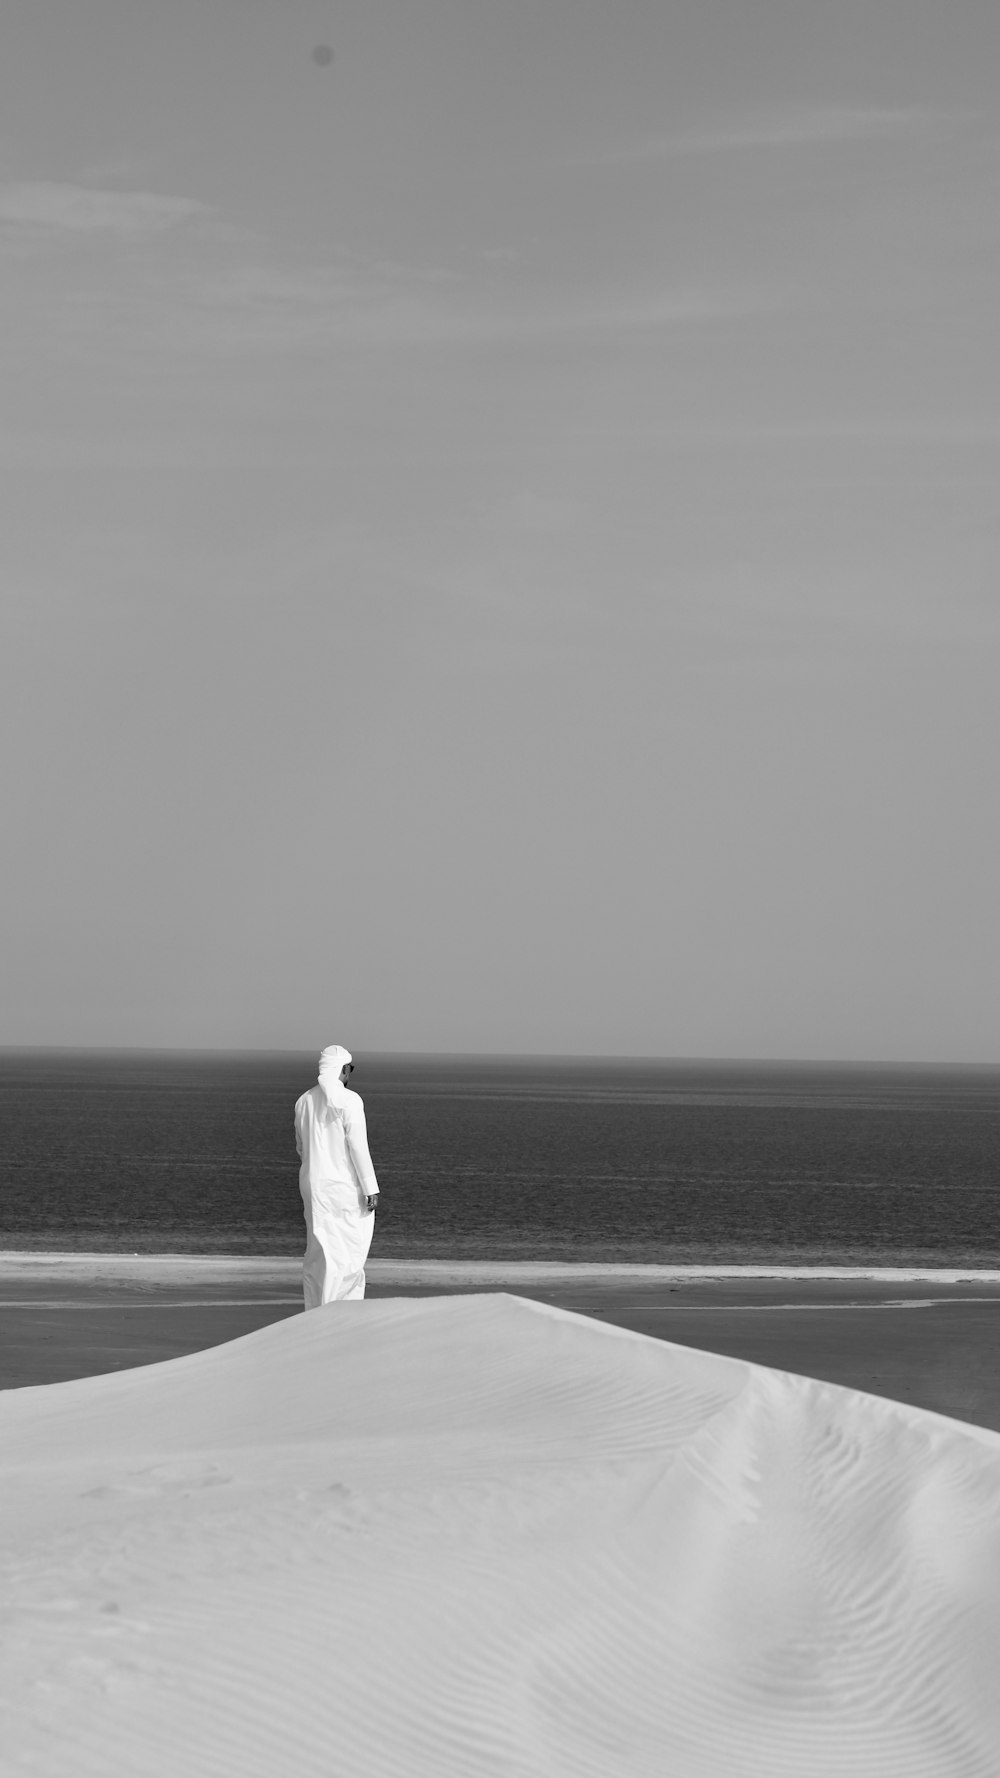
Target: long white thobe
[(335, 1178)]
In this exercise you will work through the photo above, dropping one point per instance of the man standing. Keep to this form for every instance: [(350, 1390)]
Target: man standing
[(337, 1182)]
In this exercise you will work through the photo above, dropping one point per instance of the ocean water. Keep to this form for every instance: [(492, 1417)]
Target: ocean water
[(502, 1158)]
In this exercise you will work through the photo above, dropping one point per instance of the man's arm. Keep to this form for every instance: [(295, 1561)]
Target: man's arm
[(356, 1130)]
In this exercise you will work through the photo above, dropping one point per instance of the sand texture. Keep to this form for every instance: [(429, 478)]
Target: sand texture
[(481, 1537), (928, 1338)]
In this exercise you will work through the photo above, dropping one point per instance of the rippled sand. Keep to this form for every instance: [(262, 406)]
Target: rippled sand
[(476, 1535)]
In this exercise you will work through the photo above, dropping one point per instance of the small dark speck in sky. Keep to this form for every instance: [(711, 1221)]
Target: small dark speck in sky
[(322, 55)]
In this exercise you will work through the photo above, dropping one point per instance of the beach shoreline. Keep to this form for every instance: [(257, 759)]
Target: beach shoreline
[(923, 1336), (15, 1262)]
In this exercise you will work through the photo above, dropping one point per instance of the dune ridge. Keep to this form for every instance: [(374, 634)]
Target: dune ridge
[(480, 1535)]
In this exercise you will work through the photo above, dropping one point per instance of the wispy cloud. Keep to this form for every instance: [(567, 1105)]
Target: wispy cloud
[(816, 125), (198, 306), (369, 306), (110, 271), (47, 208)]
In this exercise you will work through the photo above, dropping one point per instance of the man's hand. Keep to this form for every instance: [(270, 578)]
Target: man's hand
[(371, 1200)]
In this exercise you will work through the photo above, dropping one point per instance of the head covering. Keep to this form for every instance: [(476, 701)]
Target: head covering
[(331, 1061)]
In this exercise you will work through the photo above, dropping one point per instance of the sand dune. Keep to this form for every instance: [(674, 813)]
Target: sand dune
[(467, 1536)]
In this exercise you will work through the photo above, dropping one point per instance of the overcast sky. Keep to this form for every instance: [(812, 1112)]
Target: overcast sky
[(499, 532)]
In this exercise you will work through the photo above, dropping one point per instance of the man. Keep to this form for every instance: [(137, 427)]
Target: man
[(337, 1182)]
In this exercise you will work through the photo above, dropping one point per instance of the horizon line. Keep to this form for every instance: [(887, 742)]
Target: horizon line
[(582, 1056)]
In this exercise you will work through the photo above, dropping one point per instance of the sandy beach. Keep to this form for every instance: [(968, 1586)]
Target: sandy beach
[(476, 1535), (931, 1339)]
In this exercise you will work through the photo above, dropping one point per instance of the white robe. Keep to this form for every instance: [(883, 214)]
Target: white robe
[(335, 1178)]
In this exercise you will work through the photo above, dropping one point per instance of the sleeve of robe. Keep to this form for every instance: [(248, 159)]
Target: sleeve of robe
[(356, 1130)]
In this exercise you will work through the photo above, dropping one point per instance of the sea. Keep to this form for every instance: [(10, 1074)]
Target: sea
[(511, 1158)]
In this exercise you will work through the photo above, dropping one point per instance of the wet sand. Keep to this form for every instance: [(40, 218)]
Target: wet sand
[(932, 1341)]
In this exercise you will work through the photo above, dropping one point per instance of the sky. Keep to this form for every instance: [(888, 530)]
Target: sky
[(499, 531)]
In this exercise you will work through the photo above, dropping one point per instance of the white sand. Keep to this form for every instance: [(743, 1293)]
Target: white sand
[(475, 1537), (174, 1268)]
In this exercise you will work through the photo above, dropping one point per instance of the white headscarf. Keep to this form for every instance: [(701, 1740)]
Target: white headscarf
[(331, 1061)]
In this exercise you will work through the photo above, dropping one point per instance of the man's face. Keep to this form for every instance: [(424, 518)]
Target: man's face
[(346, 1072)]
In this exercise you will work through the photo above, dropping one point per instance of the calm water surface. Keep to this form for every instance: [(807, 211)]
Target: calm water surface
[(683, 1162)]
